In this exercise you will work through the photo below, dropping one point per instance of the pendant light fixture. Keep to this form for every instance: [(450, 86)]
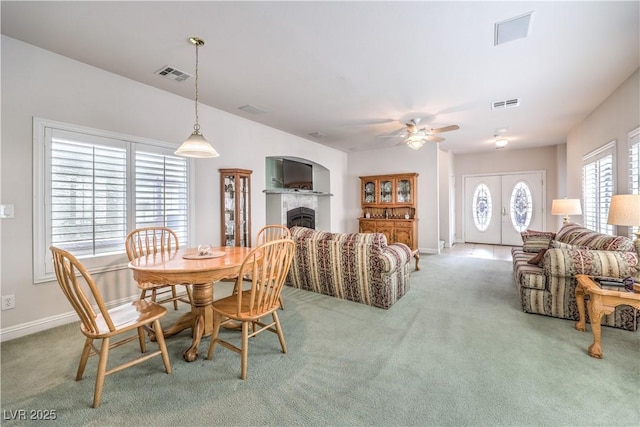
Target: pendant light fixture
[(196, 145)]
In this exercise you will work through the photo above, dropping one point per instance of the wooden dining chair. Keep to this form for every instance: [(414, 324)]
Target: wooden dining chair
[(269, 233), (267, 266), (151, 240), (79, 288)]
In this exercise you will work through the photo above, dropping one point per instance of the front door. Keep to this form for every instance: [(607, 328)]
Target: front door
[(497, 208)]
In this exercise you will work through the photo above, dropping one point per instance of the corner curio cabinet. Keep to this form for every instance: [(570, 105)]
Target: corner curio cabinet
[(389, 205), (235, 195)]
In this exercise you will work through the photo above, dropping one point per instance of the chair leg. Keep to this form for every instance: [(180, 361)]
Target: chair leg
[(141, 339), (102, 369), (83, 358), (217, 319), (244, 347), (143, 294), (153, 295), (163, 346), (281, 302), (173, 296), (279, 331)]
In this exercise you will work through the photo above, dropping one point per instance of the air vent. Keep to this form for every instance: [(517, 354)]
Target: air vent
[(318, 135), (172, 73), (512, 29), (509, 103), (252, 109)]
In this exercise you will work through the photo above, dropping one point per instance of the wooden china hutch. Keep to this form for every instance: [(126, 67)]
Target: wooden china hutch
[(389, 206)]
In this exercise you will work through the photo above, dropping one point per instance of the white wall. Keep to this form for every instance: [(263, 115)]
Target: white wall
[(507, 160), (399, 159), (39, 83), (618, 114)]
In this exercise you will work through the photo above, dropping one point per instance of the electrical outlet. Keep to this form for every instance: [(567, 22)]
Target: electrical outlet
[(8, 302)]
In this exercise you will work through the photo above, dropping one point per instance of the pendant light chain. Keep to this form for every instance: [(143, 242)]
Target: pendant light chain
[(196, 127)]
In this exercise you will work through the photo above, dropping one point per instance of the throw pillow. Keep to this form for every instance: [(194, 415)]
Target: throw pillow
[(535, 241), (537, 259)]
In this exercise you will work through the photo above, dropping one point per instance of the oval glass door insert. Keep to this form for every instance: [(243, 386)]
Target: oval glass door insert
[(481, 207), (521, 206)]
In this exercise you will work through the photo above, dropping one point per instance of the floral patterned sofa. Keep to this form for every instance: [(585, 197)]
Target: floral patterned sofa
[(545, 266), (359, 267)]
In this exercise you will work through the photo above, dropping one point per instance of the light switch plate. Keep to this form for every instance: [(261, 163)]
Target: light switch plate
[(6, 211)]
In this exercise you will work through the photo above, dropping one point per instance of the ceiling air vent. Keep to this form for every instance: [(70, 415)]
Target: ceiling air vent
[(509, 103), (172, 73), (252, 109), (512, 29), (318, 135)]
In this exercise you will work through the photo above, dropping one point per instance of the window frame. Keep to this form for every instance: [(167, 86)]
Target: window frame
[(42, 264), (609, 149)]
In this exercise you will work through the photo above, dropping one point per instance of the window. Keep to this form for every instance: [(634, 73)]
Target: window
[(482, 207), (92, 187), (521, 206), (634, 169), (598, 184)]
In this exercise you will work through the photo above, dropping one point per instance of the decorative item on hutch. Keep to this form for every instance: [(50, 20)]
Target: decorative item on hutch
[(235, 203)]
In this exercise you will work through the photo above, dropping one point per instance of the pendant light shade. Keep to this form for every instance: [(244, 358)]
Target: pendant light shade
[(196, 145)]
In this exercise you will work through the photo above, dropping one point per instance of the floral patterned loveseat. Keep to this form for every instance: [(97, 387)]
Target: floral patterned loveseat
[(359, 267), (545, 266)]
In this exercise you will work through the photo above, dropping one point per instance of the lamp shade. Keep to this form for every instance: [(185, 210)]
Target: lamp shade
[(566, 207), (624, 210), (196, 146)]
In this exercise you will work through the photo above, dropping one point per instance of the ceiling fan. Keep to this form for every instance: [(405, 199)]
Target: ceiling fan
[(416, 137)]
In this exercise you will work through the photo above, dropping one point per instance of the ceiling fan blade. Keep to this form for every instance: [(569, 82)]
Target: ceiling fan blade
[(434, 138), (445, 129)]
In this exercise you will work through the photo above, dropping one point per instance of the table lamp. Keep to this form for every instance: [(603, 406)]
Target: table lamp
[(566, 207), (625, 210)]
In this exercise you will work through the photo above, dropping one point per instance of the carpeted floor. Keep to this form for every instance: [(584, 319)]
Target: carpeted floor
[(455, 351)]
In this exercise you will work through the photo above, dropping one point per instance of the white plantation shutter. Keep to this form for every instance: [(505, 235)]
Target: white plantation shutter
[(634, 169), (88, 196), (161, 192), (92, 187), (598, 183)]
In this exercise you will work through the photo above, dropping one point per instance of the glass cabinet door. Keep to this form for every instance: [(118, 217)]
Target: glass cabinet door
[(236, 207), (369, 192), (386, 191), (403, 191), (243, 212), (229, 211)]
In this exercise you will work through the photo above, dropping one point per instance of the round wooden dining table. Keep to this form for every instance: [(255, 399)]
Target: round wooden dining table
[(185, 266)]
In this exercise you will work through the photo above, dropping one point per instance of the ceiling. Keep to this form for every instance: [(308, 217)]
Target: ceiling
[(356, 70)]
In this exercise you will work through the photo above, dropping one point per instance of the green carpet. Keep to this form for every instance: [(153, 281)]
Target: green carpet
[(457, 350)]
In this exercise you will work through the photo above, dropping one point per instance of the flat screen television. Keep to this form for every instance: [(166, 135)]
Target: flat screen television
[(297, 175)]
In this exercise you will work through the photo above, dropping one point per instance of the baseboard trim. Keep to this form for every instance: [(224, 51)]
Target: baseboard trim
[(39, 325)]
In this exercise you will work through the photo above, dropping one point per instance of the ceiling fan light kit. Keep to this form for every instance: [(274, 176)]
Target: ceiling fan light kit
[(501, 143), (196, 145)]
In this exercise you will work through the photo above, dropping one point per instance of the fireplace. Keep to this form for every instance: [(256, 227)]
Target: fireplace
[(302, 217)]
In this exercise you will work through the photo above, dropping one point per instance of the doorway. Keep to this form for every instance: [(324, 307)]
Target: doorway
[(497, 208)]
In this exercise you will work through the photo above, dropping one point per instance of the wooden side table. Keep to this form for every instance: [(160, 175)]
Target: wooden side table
[(601, 301)]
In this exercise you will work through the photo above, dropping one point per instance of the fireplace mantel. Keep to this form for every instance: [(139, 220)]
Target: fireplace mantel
[(296, 192)]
